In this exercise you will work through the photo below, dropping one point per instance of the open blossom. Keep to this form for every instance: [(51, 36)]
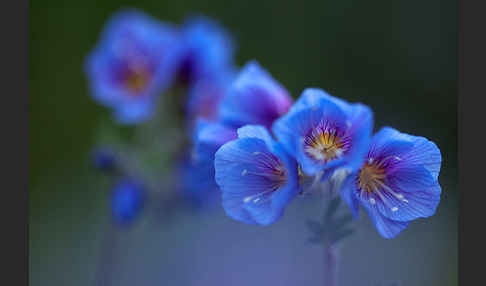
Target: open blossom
[(206, 51), (254, 97), (256, 176), (398, 181), (324, 133), (133, 62)]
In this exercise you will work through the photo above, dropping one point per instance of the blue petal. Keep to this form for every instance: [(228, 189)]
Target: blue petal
[(197, 183), (420, 203), (386, 227), (360, 127), (205, 95), (348, 194), (407, 177), (207, 50), (425, 153), (241, 177), (389, 142), (254, 98), (256, 131), (312, 97), (420, 191), (208, 137)]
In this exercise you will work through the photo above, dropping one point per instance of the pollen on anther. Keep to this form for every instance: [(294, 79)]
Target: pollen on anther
[(372, 201), (394, 209)]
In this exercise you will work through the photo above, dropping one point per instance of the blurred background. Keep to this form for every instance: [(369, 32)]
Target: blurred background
[(399, 57)]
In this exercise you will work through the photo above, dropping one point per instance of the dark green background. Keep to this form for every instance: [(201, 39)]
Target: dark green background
[(399, 57)]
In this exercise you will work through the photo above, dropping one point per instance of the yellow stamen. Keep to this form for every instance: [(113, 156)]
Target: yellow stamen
[(325, 146)]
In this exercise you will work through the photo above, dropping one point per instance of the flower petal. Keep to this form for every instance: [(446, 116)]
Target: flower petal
[(249, 193), (425, 153), (389, 142), (348, 194), (415, 204), (255, 131), (254, 98), (386, 227), (208, 137)]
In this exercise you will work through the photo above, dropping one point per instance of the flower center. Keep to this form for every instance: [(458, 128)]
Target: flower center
[(371, 177), (324, 145), (371, 180), (137, 79)]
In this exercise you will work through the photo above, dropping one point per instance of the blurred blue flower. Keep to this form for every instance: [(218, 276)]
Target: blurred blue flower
[(127, 200), (208, 137), (256, 176), (197, 171), (205, 96), (196, 182), (398, 181), (206, 51), (254, 98), (133, 62), (104, 159), (324, 133)]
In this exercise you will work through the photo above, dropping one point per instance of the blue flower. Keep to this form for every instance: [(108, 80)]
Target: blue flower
[(254, 98), (205, 96), (206, 50), (398, 181), (134, 61), (256, 176), (325, 133), (127, 200)]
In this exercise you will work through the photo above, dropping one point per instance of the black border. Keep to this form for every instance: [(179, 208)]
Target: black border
[(14, 25), (471, 139)]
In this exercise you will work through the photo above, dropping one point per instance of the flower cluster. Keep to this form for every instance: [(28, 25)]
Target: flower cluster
[(251, 144), (138, 58), (393, 175)]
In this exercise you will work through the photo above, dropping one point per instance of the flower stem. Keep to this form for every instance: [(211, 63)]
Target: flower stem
[(105, 268), (330, 262)]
